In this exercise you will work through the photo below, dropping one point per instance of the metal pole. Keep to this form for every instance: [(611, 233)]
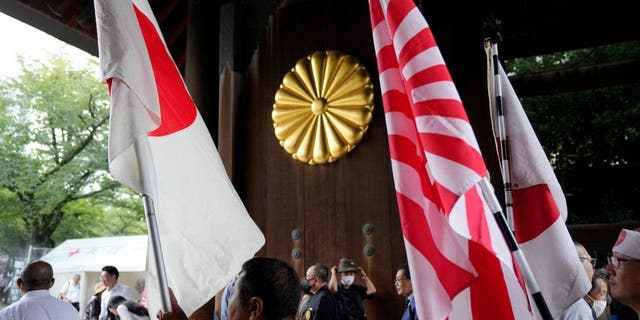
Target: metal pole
[(29, 255), (152, 225), (147, 177)]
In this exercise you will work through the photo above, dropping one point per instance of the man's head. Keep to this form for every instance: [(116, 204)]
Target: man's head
[(585, 259), (37, 275), (317, 276), (598, 289), (109, 276), (597, 296), (265, 289), (403, 281), (76, 278), (347, 269), (624, 269)]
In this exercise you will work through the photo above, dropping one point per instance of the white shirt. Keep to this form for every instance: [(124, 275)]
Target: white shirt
[(117, 290), (71, 290), (39, 305), (580, 310)]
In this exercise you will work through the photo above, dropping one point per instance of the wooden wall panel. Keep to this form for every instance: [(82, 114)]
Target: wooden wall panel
[(329, 204)]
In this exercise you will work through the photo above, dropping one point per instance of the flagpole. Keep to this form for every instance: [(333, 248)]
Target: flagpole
[(502, 145), (147, 175), (530, 280), (495, 99)]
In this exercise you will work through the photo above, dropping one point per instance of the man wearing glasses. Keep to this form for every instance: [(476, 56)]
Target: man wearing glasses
[(404, 288), (582, 308), (624, 269)]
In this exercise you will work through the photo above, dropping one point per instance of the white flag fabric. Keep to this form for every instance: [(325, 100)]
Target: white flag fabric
[(539, 209), (160, 146), (461, 266)]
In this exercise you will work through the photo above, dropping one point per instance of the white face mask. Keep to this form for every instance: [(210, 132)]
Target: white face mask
[(347, 280), (599, 306)]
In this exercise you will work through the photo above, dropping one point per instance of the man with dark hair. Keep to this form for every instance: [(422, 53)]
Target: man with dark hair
[(266, 289), (322, 305), (36, 302), (404, 288), (109, 277)]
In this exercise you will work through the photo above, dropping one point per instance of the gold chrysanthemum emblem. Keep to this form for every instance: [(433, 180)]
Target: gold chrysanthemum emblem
[(323, 107)]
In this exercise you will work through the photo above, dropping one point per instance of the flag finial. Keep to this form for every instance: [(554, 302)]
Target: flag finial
[(491, 29)]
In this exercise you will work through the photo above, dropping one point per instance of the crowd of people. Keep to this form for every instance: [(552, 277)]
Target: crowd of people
[(269, 289), (111, 300)]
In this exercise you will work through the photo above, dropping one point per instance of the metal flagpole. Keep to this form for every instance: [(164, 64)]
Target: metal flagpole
[(530, 280), (147, 175)]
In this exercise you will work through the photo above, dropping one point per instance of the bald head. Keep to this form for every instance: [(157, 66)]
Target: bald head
[(37, 275)]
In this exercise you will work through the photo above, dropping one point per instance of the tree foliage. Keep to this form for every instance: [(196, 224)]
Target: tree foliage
[(54, 182), (591, 137)]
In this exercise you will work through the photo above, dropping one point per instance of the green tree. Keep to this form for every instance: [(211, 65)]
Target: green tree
[(590, 136), (54, 182)]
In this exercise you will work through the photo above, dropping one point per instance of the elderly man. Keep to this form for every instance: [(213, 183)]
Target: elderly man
[(581, 309), (71, 291), (36, 302), (266, 289), (322, 304), (624, 269), (109, 277)]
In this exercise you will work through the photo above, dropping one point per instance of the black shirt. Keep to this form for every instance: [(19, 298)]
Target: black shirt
[(322, 306), (350, 302)]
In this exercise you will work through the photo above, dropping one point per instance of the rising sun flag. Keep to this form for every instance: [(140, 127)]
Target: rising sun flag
[(159, 145), (461, 266)]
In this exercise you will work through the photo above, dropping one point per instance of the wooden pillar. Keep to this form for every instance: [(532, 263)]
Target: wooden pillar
[(201, 65), (201, 78)]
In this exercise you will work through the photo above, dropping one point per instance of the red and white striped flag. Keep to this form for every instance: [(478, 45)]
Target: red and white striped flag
[(461, 267), (539, 207), (160, 146)]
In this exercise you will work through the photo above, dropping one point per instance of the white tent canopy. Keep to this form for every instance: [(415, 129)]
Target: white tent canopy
[(86, 257), (127, 253)]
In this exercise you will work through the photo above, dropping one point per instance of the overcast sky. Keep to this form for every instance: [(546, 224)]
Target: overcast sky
[(20, 38)]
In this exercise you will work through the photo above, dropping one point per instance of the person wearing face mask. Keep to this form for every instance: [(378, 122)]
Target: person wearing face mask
[(581, 309), (304, 299), (349, 295), (597, 296), (322, 305)]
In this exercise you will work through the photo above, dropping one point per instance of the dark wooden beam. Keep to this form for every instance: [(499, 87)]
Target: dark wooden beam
[(577, 79), (46, 22)]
